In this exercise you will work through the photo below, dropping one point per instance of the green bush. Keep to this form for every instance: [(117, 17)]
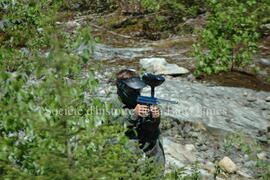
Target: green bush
[(41, 134), (28, 23), (86, 5), (230, 36)]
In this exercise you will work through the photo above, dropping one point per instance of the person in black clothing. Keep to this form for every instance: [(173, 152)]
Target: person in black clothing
[(142, 128)]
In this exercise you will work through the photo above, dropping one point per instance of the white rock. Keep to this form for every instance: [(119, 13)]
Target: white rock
[(262, 156), (265, 61), (226, 164), (58, 23), (161, 66), (251, 99), (72, 24), (267, 99), (243, 174), (189, 147), (177, 152)]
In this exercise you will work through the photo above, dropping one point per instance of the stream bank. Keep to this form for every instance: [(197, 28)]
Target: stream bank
[(225, 115)]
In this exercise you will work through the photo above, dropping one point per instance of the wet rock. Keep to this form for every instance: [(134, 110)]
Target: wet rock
[(161, 66), (267, 99), (227, 165)]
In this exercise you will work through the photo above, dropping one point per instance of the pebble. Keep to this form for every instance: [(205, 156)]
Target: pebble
[(189, 147), (245, 94), (210, 167), (203, 148), (251, 99), (263, 73), (267, 99), (243, 174), (250, 164), (262, 156), (72, 24), (227, 165)]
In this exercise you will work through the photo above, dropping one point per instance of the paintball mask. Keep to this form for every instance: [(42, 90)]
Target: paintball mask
[(129, 89)]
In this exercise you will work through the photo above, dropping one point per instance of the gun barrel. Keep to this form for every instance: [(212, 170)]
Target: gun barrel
[(150, 100), (169, 101)]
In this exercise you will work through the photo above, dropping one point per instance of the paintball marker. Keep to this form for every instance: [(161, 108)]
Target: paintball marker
[(153, 81)]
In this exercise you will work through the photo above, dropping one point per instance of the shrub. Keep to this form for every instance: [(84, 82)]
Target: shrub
[(229, 38)]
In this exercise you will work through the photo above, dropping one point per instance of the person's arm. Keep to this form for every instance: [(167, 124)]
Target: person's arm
[(129, 118)]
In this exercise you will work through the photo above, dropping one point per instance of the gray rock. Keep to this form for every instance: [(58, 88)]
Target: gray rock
[(250, 164), (251, 99), (243, 174), (265, 61), (267, 99), (72, 24), (161, 66), (40, 30), (210, 106), (263, 73), (4, 24), (105, 52), (210, 167), (176, 153), (262, 156), (191, 77), (267, 26), (227, 165), (189, 147), (25, 51)]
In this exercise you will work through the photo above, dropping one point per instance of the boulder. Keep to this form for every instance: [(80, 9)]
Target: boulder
[(161, 66), (227, 165)]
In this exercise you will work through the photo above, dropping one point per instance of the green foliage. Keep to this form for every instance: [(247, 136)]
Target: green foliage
[(177, 8), (82, 5), (27, 22), (263, 167), (184, 174), (241, 143), (230, 35), (46, 128), (152, 5)]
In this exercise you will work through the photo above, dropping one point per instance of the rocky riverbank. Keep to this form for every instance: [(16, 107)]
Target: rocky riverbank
[(220, 132)]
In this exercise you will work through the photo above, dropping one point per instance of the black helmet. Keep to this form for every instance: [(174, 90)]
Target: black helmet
[(129, 90)]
